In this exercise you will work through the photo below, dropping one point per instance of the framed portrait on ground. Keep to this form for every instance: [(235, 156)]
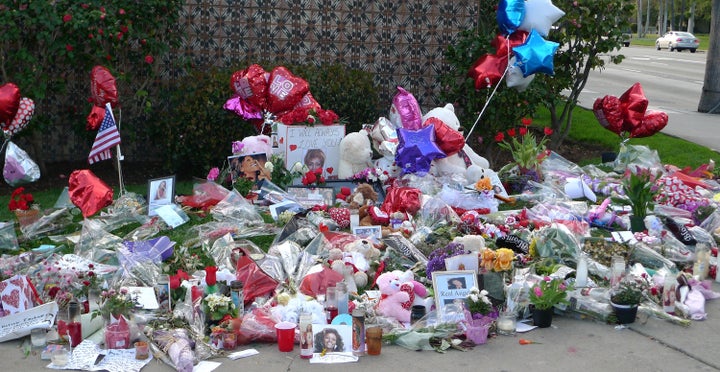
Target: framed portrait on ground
[(372, 232), (332, 338), (451, 287), (308, 197), (249, 166), (161, 191)]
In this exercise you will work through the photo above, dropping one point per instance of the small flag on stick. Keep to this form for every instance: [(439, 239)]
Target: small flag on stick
[(107, 137)]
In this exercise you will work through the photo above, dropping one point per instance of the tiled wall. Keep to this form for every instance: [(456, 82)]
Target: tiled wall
[(401, 42)]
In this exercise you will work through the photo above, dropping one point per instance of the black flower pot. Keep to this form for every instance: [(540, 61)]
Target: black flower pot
[(625, 314), (542, 318)]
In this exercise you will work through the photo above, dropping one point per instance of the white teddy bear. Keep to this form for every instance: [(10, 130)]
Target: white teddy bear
[(456, 164), (355, 154)]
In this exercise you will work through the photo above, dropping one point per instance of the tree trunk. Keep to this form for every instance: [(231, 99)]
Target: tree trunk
[(647, 18), (691, 19), (639, 18), (710, 97)]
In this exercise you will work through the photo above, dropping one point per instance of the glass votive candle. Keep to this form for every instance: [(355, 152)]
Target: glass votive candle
[(38, 337), (506, 323), (60, 357), (142, 350)]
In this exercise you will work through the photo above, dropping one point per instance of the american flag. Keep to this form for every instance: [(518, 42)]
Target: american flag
[(107, 137)]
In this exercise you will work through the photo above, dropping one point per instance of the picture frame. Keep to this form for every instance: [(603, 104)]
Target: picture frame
[(373, 232), (342, 338), (451, 287), (250, 166), (308, 197), (161, 191)]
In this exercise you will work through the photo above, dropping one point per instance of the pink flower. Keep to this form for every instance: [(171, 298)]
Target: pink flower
[(213, 174), (562, 287), (538, 291), (149, 59), (67, 18), (122, 11), (547, 278)]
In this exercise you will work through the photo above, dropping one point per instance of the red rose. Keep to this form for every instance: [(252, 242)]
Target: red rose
[(183, 275), (67, 18), (124, 29), (211, 275), (174, 281), (149, 59), (69, 47)]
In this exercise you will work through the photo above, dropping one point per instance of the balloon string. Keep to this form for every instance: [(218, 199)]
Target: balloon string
[(119, 157), (486, 103), (4, 144)]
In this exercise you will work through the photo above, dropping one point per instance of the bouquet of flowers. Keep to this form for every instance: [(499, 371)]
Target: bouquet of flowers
[(217, 306), (115, 304), (20, 200), (478, 303), (436, 259), (498, 260), (548, 293)]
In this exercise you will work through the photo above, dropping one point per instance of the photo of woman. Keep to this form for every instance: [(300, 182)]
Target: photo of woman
[(328, 340), (161, 192), (251, 167), (314, 159), (456, 283)]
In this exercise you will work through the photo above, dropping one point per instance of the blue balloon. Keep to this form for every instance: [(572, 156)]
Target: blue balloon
[(536, 55), (510, 15), (417, 149)]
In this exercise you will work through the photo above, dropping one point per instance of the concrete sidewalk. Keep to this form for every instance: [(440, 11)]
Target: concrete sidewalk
[(569, 345)]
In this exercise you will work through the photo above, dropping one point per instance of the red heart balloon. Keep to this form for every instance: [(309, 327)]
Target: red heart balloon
[(448, 140), (103, 87), (633, 105), (488, 70), (251, 84), (653, 122), (95, 118), (285, 90), (25, 111), (504, 45), (9, 103), (609, 113)]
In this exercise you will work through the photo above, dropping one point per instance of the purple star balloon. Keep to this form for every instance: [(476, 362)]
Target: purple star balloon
[(417, 149)]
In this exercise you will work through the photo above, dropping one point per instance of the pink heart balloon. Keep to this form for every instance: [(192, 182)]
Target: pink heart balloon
[(9, 103)]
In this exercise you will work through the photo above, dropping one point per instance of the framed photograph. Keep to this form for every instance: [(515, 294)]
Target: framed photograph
[(463, 262), (451, 287), (311, 196), (250, 166), (287, 205), (373, 232), (332, 338), (161, 191)]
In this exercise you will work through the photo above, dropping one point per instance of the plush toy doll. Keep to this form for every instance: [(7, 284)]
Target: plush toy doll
[(261, 144), (364, 194), (461, 162), (392, 297), (355, 154), (417, 291)]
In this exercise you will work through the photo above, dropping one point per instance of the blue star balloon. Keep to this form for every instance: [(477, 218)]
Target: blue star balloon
[(510, 15), (417, 149), (536, 55)]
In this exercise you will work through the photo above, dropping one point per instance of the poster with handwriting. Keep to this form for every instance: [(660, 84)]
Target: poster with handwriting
[(317, 147)]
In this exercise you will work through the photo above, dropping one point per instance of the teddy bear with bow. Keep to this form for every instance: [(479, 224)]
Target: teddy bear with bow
[(392, 297)]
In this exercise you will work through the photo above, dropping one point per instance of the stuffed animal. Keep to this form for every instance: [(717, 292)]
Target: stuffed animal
[(363, 252), (364, 194), (355, 154), (417, 291), (461, 162), (347, 270), (473, 243), (261, 144), (393, 298)]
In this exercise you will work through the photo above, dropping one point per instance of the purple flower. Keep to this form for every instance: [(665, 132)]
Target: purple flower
[(436, 259)]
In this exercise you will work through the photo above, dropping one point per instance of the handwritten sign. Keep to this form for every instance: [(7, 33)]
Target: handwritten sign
[(300, 143), (19, 325)]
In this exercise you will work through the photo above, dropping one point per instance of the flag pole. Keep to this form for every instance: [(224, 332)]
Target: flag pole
[(120, 158)]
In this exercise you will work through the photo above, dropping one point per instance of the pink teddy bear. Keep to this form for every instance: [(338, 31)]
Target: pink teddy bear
[(392, 297)]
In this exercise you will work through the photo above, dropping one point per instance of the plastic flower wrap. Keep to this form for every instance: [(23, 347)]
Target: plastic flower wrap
[(53, 222), (128, 208), (236, 209), (96, 244), (557, 242), (65, 273)]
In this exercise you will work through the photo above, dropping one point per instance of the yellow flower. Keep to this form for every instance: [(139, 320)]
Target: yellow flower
[(488, 259), (503, 259), (483, 184)]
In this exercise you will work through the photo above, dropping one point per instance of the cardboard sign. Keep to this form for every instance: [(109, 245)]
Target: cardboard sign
[(19, 325), (316, 146)]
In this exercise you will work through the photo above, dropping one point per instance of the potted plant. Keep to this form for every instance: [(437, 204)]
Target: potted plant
[(526, 150), (544, 296), (639, 194), (479, 315), (626, 297)]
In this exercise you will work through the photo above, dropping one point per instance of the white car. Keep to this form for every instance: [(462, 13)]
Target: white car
[(677, 40)]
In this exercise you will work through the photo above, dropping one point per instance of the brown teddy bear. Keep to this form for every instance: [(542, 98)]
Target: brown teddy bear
[(364, 194)]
